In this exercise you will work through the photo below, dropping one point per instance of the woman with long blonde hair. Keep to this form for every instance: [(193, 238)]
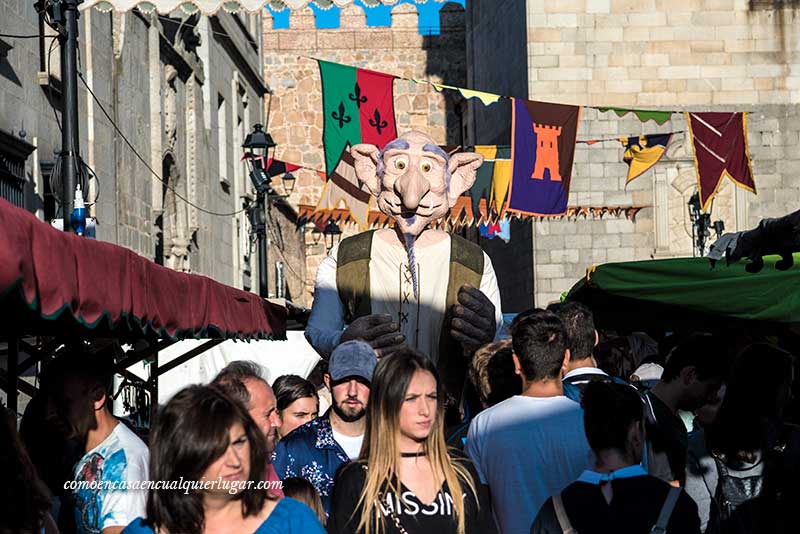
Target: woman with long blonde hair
[(405, 480)]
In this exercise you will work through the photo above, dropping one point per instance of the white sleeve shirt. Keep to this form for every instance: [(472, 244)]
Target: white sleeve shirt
[(326, 323)]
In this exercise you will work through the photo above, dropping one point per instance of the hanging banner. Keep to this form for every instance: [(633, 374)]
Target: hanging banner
[(660, 117), (492, 179), (543, 139), (482, 188), (719, 142), (343, 187), (501, 229), (486, 99), (277, 167), (358, 105), (643, 152)]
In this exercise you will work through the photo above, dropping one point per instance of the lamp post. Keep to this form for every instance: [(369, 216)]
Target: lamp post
[(701, 225), (332, 234), (288, 183), (63, 15), (257, 145), (316, 235)]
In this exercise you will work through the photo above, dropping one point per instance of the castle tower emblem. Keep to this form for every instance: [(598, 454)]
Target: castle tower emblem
[(546, 152)]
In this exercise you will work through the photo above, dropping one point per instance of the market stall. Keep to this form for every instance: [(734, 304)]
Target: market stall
[(671, 294), (56, 287)]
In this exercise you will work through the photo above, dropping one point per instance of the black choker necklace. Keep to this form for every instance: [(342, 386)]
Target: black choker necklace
[(412, 454)]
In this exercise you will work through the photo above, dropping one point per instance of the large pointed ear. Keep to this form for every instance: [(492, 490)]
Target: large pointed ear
[(366, 165), (463, 168)]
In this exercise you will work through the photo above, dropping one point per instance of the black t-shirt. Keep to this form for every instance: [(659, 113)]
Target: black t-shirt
[(669, 441), (634, 509), (416, 517)]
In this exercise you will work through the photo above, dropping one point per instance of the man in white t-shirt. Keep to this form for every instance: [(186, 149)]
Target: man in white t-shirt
[(316, 450), (532, 445), (114, 459)]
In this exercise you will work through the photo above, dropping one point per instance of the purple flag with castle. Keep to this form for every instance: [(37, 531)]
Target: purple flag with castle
[(543, 139)]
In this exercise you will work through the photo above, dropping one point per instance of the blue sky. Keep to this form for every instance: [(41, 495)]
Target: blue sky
[(377, 16)]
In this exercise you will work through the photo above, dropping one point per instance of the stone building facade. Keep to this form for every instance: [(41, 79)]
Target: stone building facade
[(184, 91), (698, 55), (296, 110)]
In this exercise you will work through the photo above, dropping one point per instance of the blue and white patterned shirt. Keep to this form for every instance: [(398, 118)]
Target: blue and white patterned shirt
[(105, 476), (311, 452)]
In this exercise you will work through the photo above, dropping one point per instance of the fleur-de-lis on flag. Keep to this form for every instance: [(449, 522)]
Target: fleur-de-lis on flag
[(357, 98), (377, 123), (341, 117)]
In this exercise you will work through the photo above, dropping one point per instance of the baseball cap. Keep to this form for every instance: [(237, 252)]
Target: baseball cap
[(352, 358)]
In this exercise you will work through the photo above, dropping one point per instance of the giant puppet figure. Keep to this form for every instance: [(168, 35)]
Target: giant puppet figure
[(410, 285)]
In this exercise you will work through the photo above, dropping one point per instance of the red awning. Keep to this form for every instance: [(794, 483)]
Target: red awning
[(49, 278)]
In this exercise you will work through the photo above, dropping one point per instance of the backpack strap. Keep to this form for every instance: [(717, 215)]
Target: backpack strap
[(666, 511), (561, 515), (352, 275)]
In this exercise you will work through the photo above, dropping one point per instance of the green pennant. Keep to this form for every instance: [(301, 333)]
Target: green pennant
[(642, 114)]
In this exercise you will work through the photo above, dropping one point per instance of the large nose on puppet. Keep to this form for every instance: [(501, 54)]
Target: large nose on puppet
[(411, 188)]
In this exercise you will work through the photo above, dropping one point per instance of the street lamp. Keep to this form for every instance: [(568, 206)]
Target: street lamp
[(288, 183), (700, 223), (257, 145), (316, 235), (332, 234)]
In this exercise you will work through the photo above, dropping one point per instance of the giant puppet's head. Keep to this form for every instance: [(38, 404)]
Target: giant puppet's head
[(414, 180)]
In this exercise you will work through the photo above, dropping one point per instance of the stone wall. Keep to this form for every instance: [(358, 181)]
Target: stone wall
[(688, 54), (296, 113), (662, 53), (564, 249), (163, 95)]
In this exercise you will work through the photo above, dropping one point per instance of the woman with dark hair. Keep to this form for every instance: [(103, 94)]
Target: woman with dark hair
[(209, 443), (298, 402), (744, 473), (25, 500), (304, 491), (405, 480)]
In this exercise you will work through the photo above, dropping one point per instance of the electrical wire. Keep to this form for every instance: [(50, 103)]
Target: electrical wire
[(286, 262), (10, 36), (182, 23), (147, 165)]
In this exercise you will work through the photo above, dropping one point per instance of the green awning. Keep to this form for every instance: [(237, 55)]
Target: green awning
[(688, 292)]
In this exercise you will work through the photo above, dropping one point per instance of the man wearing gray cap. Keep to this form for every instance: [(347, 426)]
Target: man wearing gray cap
[(317, 449)]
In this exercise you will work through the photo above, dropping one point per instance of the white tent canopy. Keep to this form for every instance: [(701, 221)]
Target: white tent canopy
[(293, 356), (210, 7)]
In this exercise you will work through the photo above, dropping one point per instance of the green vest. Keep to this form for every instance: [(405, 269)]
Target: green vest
[(352, 283)]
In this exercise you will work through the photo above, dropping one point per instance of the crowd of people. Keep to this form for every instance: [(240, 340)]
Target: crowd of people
[(560, 436)]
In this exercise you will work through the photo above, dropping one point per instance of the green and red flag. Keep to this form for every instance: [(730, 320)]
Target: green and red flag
[(359, 108)]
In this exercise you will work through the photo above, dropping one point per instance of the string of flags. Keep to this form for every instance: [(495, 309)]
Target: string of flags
[(533, 177), (461, 215), (500, 229)]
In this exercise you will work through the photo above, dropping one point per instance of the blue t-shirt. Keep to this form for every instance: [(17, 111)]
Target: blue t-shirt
[(526, 449), (288, 517)]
